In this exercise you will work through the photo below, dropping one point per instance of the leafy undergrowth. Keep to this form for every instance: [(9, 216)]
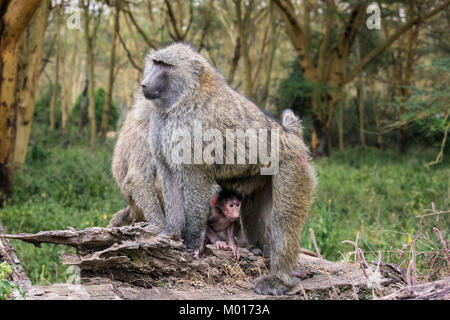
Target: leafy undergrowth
[(370, 194)]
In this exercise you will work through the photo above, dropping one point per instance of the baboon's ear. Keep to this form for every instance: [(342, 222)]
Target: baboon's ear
[(197, 68), (214, 201)]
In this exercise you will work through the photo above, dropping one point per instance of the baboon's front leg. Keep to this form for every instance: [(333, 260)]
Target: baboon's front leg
[(174, 204), (199, 189)]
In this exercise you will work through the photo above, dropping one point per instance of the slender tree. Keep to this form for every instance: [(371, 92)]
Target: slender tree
[(112, 62), (91, 25), (30, 57), (15, 15), (58, 56)]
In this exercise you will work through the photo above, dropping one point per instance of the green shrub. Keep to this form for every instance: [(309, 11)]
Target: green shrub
[(100, 96), (5, 286)]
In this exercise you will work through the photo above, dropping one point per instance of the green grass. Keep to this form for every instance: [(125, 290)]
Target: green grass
[(376, 194), (55, 189)]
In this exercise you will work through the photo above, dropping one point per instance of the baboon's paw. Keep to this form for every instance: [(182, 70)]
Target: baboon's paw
[(170, 234), (270, 285)]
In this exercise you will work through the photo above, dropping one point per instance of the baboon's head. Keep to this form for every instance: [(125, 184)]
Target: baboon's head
[(171, 73)]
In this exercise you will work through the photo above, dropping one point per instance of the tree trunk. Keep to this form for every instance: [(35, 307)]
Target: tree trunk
[(360, 96), (274, 35), (83, 105), (243, 25), (318, 136), (405, 90), (15, 15), (112, 60), (55, 86), (329, 136), (322, 133), (90, 39), (29, 72), (376, 113), (67, 85), (91, 94), (234, 61), (64, 76), (341, 125)]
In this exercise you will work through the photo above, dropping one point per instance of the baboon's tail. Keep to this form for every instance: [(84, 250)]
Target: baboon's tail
[(292, 123)]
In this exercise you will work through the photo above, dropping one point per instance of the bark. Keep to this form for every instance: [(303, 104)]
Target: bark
[(9, 255), (134, 261), (29, 72), (376, 113), (206, 25), (341, 126), (83, 105), (437, 290), (274, 34), (67, 84), (360, 95), (234, 61), (112, 61), (147, 40), (177, 20), (90, 37), (58, 55), (15, 15), (243, 31), (405, 85), (137, 65)]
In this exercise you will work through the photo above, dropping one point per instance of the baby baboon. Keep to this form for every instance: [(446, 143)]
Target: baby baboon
[(134, 170), (187, 91), (223, 216)]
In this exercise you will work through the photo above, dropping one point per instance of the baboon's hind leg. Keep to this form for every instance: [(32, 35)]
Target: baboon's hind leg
[(292, 194)]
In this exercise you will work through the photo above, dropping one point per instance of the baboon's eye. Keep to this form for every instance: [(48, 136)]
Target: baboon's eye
[(161, 64), (231, 206)]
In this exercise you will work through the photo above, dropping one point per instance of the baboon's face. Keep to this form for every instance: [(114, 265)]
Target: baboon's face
[(231, 208), (156, 80), (170, 74)]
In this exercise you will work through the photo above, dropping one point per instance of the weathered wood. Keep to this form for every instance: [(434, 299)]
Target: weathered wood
[(8, 254), (134, 262), (437, 290)]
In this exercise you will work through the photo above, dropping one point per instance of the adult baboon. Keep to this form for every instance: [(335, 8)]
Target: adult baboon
[(187, 91), (134, 170)]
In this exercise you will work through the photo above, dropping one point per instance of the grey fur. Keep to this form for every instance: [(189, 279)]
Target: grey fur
[(134, 170)]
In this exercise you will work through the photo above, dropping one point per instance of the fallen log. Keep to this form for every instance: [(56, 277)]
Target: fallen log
[(9, 255), (437, 290), (134, 262)]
